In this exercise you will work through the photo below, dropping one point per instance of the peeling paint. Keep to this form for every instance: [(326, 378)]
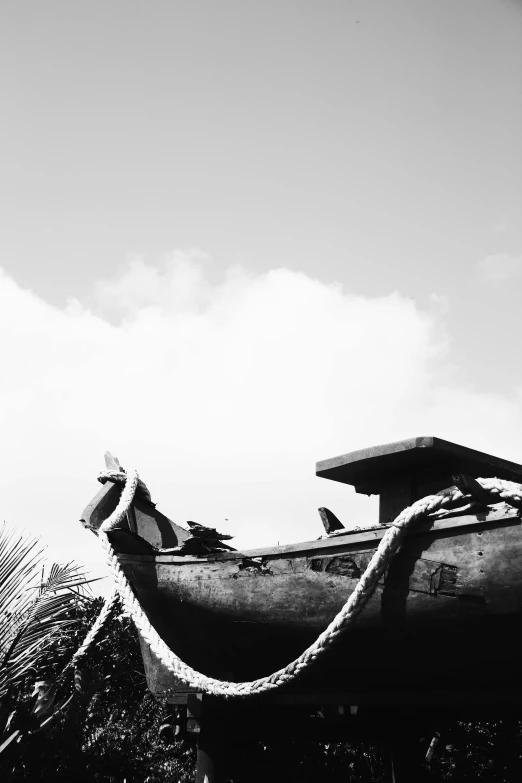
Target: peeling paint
[(416, 575), (252, 567), (341, 566)]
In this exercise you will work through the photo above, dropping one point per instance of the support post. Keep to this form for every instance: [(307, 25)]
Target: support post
[(407, 759), (206, 721), (209, 767)]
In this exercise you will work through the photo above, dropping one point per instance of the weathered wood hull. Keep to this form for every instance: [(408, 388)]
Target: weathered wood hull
[(446, 618)]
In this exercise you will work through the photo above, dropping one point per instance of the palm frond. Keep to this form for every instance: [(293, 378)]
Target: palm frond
[(20, 557), (33, 608)]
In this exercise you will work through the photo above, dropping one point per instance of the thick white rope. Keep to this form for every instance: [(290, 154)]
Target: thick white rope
[(95, 631), (496, 488)]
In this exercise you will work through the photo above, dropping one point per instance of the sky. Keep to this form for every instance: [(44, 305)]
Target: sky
[(240, 237)]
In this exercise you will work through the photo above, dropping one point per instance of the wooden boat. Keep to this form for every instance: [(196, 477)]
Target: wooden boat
[(443, 627)]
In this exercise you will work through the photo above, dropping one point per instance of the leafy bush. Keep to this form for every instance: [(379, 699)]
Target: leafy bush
[(110, 729)]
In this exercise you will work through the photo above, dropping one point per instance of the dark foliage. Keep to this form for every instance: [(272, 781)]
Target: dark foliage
[(486, 752), (489, 752), (112, 731), (308, 762)]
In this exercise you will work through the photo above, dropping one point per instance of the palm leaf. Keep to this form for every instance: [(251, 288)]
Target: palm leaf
[(33, 608)]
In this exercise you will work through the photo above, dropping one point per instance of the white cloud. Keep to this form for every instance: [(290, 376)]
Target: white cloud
[(499, 267), (178, 287), (223, 396)]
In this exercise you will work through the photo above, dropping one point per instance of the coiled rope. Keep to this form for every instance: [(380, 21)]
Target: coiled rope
[(497, 489)]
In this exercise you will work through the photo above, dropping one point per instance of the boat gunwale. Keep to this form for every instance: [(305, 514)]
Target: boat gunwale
[(341, 539)]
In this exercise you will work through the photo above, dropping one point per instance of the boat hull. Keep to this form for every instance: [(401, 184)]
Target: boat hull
[(445, 618)]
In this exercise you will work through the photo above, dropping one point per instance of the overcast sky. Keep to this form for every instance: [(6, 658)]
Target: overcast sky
[(239, 237)]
